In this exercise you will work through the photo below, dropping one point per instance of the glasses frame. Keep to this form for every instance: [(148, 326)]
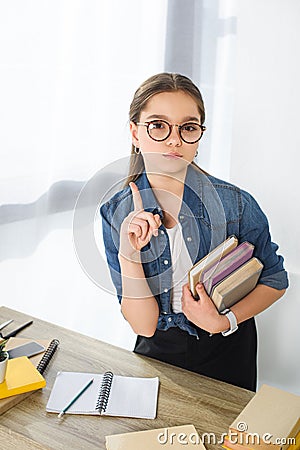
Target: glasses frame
[(147, 124)]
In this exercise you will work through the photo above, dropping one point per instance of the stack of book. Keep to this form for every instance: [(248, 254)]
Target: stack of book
[(271, 420), (23, 376), (229, 272)]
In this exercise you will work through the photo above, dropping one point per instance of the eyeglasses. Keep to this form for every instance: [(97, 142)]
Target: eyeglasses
[(160, 130)]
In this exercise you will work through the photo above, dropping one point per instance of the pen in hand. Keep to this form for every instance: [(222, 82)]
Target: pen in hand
[(75, 398)]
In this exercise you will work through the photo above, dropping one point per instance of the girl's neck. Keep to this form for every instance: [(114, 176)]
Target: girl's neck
[(173, 183), (168, 191)]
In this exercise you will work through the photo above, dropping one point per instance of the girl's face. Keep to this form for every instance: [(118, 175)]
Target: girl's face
[(173, 154)]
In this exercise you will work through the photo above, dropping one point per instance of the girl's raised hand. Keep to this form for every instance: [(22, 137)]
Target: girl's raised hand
[(138, 227)]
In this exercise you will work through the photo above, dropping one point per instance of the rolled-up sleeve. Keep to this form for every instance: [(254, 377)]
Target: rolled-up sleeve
[(254, 228)]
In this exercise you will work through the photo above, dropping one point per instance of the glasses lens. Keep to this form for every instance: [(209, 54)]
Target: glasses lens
[(158, 130), (190, 132)]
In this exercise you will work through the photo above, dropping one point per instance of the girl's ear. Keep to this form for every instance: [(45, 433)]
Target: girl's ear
[(134, 134)]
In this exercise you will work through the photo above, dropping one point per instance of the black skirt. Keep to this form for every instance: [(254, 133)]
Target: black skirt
[(231, 359)]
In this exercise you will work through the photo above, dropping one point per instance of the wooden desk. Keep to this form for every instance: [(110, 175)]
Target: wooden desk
[(184, 397)]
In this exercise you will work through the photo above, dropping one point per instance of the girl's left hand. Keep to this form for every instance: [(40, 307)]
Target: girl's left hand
[(203, 312)]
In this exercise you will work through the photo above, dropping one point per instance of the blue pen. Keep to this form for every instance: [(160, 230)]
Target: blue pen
[(75, 398)]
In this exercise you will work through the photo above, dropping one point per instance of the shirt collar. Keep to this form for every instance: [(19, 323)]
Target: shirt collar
[(191, 204)]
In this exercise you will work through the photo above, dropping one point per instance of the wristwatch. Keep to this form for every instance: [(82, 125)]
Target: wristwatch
[(232, 320)]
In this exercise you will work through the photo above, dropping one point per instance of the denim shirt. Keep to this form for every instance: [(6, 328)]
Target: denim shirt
[(211, 210)]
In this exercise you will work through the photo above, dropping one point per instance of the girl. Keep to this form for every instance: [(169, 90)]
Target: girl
[(171, 214)]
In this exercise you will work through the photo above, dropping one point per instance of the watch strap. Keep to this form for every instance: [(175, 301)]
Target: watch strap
[(232, 320)]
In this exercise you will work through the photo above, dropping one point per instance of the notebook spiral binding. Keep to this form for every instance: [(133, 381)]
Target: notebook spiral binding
[(42, 365), (104, 391)]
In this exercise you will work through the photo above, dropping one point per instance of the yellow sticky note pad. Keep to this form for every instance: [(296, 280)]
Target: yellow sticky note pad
[(21, 376)]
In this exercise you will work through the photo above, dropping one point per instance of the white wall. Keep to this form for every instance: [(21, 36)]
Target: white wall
[(264, 161)]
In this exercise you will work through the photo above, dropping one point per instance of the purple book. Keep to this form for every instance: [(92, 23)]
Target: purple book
[(225, 266)]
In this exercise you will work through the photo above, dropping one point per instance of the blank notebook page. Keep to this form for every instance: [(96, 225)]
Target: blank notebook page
[(131, 397)]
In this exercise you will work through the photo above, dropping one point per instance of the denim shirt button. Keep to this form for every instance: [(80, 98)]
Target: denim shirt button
[(181, 217), (166, 290), (189, 239), (162, 232), (169, 319), (166, 262)]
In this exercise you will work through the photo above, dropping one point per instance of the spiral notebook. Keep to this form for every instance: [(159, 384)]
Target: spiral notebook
[(51, 349), (109, 394)]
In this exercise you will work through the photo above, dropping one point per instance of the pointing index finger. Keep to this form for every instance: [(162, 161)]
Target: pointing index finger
[(137, 199)]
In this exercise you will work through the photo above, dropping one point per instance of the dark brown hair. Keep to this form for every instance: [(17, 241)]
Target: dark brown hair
[(162, 82)]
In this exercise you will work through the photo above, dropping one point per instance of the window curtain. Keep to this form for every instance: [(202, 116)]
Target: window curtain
[(201, 43), (68, 72)]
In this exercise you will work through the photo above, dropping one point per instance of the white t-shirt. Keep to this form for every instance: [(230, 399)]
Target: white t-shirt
[(181, 264)]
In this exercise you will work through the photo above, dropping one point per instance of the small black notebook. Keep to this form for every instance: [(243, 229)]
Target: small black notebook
[(51, 349), (109, 394)]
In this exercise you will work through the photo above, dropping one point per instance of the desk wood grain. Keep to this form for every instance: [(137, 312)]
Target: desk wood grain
[(184, 397)]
